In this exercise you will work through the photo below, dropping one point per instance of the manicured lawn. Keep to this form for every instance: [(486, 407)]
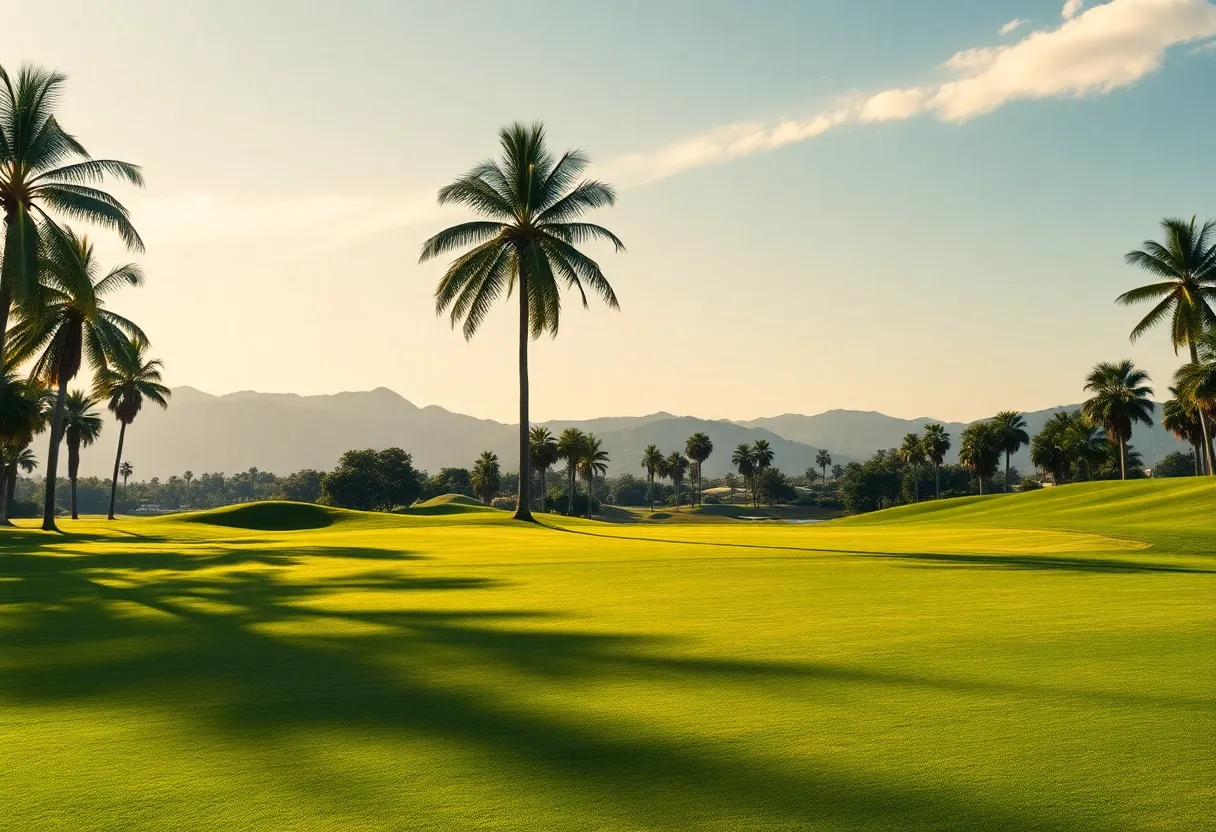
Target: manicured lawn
[(1040, 661)]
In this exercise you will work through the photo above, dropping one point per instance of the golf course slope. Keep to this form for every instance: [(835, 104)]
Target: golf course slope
[(1034, 661)]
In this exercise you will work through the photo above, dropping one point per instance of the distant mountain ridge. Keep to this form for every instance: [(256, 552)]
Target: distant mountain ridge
[(285, 432)]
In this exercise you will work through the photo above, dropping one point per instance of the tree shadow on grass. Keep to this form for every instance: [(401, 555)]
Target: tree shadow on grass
[(137, 634)]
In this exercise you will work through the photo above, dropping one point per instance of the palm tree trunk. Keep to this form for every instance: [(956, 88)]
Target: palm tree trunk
[(10, 479), (1122, 458), (75, 515), (122, 434), (52, 458), (522, 511), (570, 490), (1006, 472), (1203, 423), (4, 497), (698, 483), (937, 480)]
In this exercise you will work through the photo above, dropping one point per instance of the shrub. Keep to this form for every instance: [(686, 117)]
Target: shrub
[(1176, 464), (504, 503)]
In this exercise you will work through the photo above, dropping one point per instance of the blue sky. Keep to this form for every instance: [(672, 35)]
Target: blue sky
[(944, 236)]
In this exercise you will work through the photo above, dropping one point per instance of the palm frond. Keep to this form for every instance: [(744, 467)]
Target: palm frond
[(459, 236)]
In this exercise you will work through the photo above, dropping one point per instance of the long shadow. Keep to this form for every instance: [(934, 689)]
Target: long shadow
[(1038, 562)]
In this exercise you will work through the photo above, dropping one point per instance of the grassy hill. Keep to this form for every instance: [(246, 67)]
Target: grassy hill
[(1037, 661)]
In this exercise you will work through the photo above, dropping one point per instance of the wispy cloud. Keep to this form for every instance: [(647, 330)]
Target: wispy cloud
[(1071, 8), (1013, 25), (1091, 52)]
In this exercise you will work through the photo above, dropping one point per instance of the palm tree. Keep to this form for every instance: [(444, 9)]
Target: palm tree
[(14, 456), (936, 442), (912, 454), (823, 459), (526, 242), (1180, 416), (1013, 436), (34, 179), (20, 418), (81, 427), (570, 448), (980, 450), (652, 461), (542, 452), (1050, 447), (675, 467), (698, 448), (1186, 267), (129, 380), (126, 470), (1121, 397), (594, 461), (1086, 444), (486, 476), (74, 327), (763, 456), (188, 477), (744, 459), (253, 480)]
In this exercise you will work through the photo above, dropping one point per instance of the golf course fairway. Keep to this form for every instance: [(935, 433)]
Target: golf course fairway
[(1036, 661)]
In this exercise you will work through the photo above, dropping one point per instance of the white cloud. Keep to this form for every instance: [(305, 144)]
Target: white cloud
[(1102, 49), (1013, 25), (1071, 7)]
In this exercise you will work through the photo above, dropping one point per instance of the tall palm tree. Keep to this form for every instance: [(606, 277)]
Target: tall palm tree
[(486, 476), (81, 427), (188, 476), (542, 453), (652, 462), (980, 450), (1012, 426), (912, 454), (1185, 264), (570, 448), (594, 461), (20, 418), (675, 466), (823, 459), (526, 242), (127, 469), (1180, 416), (1121, 397), (44, 169), (936, 443), (698, 448), (744, 460), (126, 383), (75, 327)]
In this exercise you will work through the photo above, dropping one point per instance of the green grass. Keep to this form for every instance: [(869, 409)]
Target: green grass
[(1039, 661)]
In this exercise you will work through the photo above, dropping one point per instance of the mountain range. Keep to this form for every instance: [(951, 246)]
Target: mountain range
[(285, 432)]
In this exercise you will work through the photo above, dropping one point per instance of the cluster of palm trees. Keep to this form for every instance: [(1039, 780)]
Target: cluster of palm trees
[(582, 452), (54, 288), (750, 461), (676, 465), (486, 476)]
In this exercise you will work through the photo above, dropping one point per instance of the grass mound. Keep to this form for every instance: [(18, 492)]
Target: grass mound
[(447, 504), (270, 516)]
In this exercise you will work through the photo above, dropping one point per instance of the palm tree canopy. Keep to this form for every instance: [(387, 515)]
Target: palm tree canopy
[(652, 460), (1121, 398), (823, 459), (130, 379), (1180, 416), (981, 448), (126, 469), (81, 423), (762, 454), (593, 460), (75, 325), (1185, 264), (675, 466), (486, 475), (936, 442), (698, 447), (1012, 426), (912, 451), (530, 203), (570, 445), (744, 459), (542, 447), (21, 412), (44, 168)]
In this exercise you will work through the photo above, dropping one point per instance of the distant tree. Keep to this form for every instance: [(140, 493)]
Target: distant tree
[(1185, 266), (762, 452), (1180, 416), (744, 460), (81, 427), (674, 468), (1195, 383), (936, 444), (732, 484), (530, 203), (912, 454), (652, 462), (486, 476), (253, 479), (570, 448), (1176, 464), (594, 460), (823, 459), (20, 419), (698, 448), (980, 451), (372, 480), (1012, 427), (542, 452), (1121, 397), (774, 488), (131, 378), (189, 477), (303, 486), (126, 470)]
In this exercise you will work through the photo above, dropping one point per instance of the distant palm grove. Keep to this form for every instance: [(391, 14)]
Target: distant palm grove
[(57, 322)]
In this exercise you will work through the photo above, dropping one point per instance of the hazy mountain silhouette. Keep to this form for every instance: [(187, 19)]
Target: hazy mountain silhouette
[(286, 432)]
